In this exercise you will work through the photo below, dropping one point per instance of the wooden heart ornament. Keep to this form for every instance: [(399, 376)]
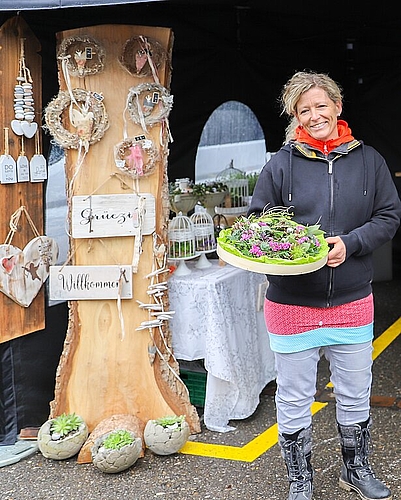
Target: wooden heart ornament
[(23, 272)]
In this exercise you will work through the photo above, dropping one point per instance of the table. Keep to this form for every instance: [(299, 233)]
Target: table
[(217, 320)]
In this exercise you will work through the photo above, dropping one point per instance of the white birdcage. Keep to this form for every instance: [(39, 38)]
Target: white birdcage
[(205, 240), (238, 187), (181, 241)]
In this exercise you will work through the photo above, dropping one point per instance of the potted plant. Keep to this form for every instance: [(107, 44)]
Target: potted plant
[(116, 451), (252, 180), (211, 194), (166, 435), (182, 197), (63, 436)]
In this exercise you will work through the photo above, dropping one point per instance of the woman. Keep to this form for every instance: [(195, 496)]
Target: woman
[(330, 178)]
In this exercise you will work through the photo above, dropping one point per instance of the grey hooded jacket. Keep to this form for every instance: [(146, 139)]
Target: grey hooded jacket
[(351, 194)]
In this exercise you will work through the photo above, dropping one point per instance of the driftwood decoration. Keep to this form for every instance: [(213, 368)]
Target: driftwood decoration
[(117, 355), (19, 320)]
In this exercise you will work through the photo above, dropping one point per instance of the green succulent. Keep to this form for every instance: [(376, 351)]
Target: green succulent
[(62, 425), (117, 439), (171, 421)]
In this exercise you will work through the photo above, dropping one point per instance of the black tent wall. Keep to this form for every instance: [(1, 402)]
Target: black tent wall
[(223, 50)]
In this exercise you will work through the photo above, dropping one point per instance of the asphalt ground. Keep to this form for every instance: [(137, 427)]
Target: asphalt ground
[(244, 464)]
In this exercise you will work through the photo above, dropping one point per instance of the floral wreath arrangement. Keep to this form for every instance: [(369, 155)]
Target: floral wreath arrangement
[(149, 104), (142, 56), (83, 56), (136, 156), (89, 117), (273, 243)]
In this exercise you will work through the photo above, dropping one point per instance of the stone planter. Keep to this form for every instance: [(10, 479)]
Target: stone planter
[(63, 448), (165, 440), (183, 202), (212, 200), (111, 461)]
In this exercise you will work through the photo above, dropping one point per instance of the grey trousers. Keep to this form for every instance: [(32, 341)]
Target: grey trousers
[(351, 376)]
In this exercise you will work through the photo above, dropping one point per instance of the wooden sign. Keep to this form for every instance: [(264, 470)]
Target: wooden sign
[(90, 282), (102, 216)]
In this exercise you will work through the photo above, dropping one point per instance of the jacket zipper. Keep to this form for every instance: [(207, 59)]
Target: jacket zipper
[(330, 172), (331, 205)]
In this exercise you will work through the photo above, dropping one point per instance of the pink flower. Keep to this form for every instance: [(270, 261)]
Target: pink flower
[(246, 235), (255, 250)]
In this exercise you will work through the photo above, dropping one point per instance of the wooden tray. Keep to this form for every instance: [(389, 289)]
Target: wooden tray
[(260, 267)]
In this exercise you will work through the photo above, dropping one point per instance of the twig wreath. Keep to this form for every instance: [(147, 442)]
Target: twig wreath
[(149, 104), (142, 56), (136, 156), (90, 118), (84, 55)]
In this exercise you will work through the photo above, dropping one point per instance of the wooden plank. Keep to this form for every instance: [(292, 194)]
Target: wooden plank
[(101, 374), (90, 282), (19, 320), (105, 216)]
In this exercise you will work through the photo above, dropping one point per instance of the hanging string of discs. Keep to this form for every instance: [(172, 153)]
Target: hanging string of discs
[(24, 106)]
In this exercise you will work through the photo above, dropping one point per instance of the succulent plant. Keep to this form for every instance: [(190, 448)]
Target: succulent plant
[(171, 421), (65, 423), (117, 439)]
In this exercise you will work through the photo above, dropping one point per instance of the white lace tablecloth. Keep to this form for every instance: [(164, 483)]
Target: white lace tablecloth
[(217, 320)]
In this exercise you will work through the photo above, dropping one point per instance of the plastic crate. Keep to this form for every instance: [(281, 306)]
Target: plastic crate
[(196, 384)]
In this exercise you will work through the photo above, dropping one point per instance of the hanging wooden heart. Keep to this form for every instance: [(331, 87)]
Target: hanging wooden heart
[(29, 128), (16, 127), (23, 272)]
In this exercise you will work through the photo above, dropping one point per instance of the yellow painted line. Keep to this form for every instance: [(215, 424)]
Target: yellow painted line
[(247, 453), (255, 448), (385, 339)]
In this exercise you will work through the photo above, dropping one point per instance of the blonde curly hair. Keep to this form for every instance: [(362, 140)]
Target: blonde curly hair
[(301, 82)]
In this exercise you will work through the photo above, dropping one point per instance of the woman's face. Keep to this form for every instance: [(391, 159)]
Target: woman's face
[(317, 113)]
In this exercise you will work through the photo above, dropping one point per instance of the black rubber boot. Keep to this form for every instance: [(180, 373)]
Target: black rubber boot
[(356, 473), (297, 454)]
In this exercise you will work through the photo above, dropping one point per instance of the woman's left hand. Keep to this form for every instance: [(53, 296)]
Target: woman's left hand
[(338, 253)]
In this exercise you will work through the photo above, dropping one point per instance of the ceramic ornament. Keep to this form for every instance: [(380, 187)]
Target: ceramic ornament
[(8, 167), (38, 164), (24, 110)]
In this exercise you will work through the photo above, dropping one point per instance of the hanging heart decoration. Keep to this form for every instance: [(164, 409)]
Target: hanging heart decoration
[(29, 128), (23, 272), (24, 109)]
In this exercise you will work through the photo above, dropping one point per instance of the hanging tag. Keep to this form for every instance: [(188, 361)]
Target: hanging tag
[(38, 168), (22, 169), (8, 168), (38, 164), (22, 165)]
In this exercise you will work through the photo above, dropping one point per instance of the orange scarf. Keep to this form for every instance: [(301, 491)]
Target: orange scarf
[(344, 135)]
